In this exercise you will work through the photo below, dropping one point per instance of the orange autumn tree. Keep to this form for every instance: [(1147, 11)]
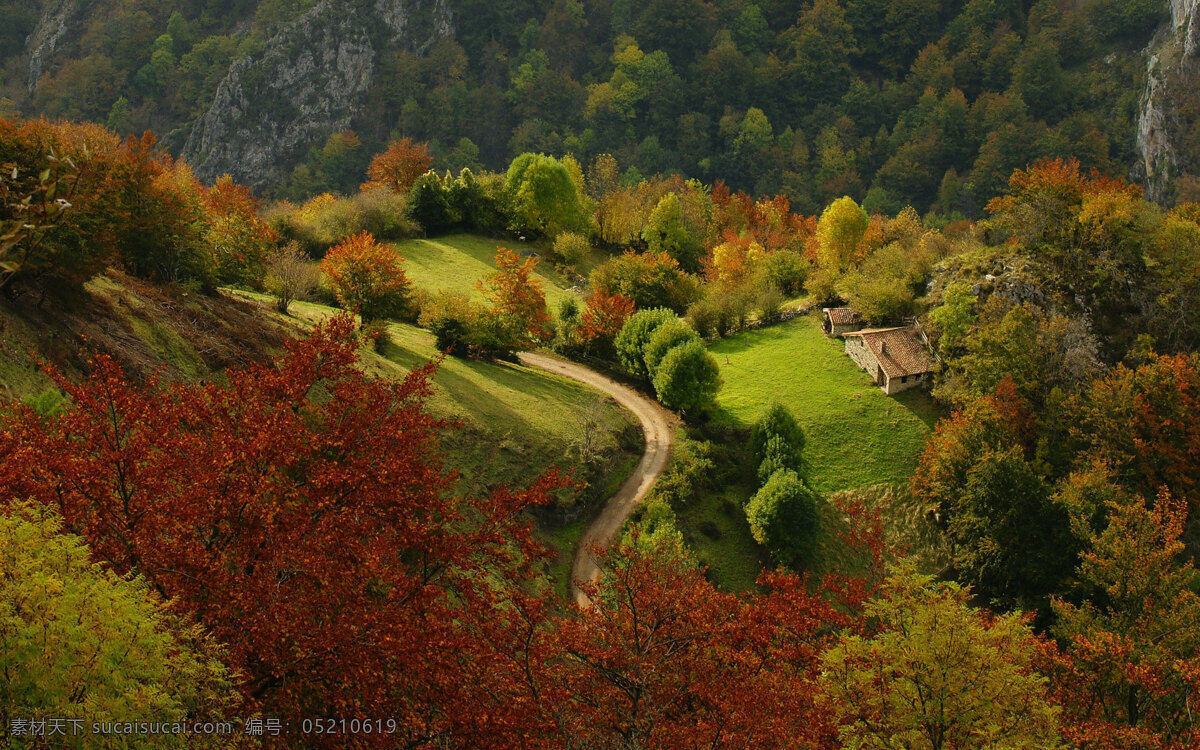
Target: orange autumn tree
[(367, 277), (399, 166), (518, 311), (237, 239), (604, 315), (302, 514), (52, 199)]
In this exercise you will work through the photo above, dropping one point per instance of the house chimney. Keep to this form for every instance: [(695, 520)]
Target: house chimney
[(883, 347)]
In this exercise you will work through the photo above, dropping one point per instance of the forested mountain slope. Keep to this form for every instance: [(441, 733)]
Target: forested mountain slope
[(891, 101)]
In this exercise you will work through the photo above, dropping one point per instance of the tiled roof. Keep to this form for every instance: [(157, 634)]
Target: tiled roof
[(899, 351), (842, 316)]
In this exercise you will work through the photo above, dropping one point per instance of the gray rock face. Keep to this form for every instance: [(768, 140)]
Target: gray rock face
[(1171, 65), (308, 82), (54, 26), (1185, 17)]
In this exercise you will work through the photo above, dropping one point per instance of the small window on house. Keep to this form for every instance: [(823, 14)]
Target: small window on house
[(903, 378)]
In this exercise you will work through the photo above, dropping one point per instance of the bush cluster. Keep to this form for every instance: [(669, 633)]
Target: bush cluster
[(783, 514), (75, 199), (656, 346)]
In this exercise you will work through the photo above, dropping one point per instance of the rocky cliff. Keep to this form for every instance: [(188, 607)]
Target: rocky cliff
[(1168, 122), (56, 22), (307, 82)]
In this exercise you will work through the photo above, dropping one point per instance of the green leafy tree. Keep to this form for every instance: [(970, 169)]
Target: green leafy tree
[(1012, 541), (429, 204), (635, 335), (784, 518), (667, 232), (953, 318), (938, 674), (777, 424), (666, 337), (1038, 76), (688, 378), (817, 56), (78, 641), (546, 198)]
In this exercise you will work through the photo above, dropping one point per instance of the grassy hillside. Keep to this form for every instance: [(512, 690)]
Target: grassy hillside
[(857, 436), (147, 329), (455, 263), (514, 419)]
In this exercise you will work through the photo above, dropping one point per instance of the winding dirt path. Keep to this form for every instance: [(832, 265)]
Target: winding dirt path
[(658, 429)]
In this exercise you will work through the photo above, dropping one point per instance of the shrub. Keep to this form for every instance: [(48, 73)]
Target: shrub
[(603, 319), (688, 377), (49, 403), (572, 248), (429, 204), (722, 311), (666, 232), (492, 213), (822, 285), (568, 334), (784, 518), (454, 321), (665, 338), (656, 530), (631, 341), (376, 334), (383, 213), (691, 470), (778, 454), (785, 269), (770, 302), (290, 276), (703, 316), (327, 220)]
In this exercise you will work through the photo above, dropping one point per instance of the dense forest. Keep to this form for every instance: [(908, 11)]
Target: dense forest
[(892, 102)]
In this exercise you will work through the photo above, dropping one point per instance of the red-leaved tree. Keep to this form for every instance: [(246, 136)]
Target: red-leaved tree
[(399, 166), (604, 315), (301, 512)]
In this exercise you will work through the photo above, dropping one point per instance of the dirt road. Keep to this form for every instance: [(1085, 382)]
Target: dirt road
[(658, 428)]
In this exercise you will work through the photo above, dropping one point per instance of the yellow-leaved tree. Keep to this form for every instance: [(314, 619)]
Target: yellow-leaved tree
[(938, 674)]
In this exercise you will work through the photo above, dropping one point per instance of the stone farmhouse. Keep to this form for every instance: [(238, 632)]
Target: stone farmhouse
[(897, 358), (840, 321)]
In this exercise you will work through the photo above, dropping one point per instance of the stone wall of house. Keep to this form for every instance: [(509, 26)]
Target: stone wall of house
[(842, 330), (897, 385), (858, 351)]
